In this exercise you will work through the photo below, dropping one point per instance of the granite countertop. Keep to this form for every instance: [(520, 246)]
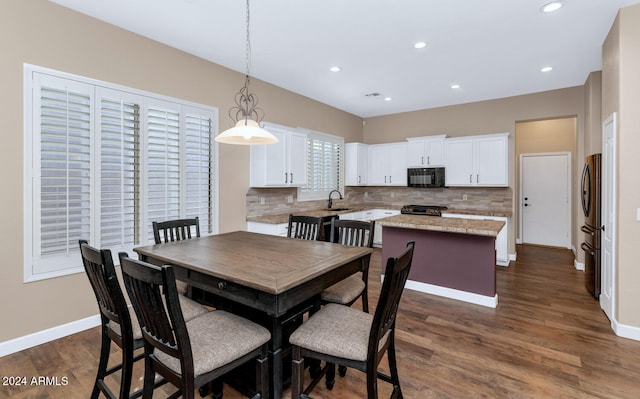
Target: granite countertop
[(450, 225), (284, 217)]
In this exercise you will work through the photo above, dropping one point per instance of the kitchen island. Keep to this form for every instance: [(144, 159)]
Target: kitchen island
[(454, 258)]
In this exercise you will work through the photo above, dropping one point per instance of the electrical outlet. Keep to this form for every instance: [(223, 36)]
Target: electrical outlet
[(464, 197), (262, 201), (393, 195), (290, 199), (366, 194)]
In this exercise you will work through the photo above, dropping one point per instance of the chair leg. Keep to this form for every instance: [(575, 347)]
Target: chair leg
[(330, 378), (393, 367), (127, 370), (105, 348), (216, 388), (149, 377), (297, 373), (262, 374), (342, 371)]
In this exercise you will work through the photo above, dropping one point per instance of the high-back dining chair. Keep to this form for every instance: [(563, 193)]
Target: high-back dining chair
[(354, 233), (176, 230), (189, 354), (117, 323), (343, 335), (304, 227)]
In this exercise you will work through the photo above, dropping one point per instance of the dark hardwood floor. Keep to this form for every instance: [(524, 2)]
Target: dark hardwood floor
[(547, 339)]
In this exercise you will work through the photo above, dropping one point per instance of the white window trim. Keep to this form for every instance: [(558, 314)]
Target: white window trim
[(29, 240)]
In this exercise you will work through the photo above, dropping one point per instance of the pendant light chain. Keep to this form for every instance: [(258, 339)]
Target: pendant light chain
[(248, 42)]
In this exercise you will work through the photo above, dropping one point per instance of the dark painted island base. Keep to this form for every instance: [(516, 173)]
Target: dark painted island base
[(454, 265)]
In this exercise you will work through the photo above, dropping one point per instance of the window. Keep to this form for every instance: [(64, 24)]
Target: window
[(325, 166), (103, 162)]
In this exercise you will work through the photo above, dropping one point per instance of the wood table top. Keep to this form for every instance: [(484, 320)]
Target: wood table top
[(264, 262)]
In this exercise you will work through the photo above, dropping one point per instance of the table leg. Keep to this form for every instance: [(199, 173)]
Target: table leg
[(276, 357)]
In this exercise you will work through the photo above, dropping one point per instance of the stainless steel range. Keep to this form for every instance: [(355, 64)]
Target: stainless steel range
[(427, 210)]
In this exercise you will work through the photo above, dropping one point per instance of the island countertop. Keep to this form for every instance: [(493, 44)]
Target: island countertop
[(479, 227)]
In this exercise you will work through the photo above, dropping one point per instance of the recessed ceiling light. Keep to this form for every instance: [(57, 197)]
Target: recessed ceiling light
[(546, 69), (387, 99), (553, 6), (455, 86), (420, 45), (335, 69)]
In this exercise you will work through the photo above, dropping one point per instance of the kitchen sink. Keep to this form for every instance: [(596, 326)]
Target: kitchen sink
[(337, 209)]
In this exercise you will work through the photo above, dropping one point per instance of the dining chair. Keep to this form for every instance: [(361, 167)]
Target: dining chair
[(343, 335), (119, 323), (304, 227), (353, 233), (359, 234), (176, 230), (189, 354)]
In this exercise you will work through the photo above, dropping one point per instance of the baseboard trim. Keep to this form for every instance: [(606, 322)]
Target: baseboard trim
[(482, 300), (578, 265), (48, 335), (625, 331)]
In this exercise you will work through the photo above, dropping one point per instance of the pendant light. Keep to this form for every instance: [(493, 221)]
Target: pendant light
[(246, 114)]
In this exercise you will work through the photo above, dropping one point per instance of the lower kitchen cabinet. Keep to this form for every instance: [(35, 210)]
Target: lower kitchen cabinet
[(502, 240), (372, 214), (274, 229)]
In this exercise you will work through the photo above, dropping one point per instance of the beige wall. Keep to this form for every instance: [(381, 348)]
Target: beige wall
[(42, 33), (621, 94)]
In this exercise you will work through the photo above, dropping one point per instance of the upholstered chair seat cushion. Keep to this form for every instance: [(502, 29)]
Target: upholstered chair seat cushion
[(345, 291), (218, 338), (190, 310), (336, 330)]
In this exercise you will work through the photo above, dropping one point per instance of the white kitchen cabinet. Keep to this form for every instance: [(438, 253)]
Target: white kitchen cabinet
[(477, 160), (356, 164), (388, 164), (380, 214), (274, 229), (425, 151), (281, 164), (502, 239), (352, 216)]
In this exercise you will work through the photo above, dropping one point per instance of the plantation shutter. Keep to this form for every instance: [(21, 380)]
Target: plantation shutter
[(325, 158), (163, 164), (62, 188), (198, 170), (119, 172)]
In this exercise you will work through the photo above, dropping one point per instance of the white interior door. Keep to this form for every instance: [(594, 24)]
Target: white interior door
[(607, 245), (544, 199)]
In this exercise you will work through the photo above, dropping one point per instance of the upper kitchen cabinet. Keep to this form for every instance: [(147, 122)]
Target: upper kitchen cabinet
[(356, 164), (388, 164), (283, 164), (477, 160), (425, 151)]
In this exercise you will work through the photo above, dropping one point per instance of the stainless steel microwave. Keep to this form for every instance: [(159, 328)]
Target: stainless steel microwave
[(425, 177)]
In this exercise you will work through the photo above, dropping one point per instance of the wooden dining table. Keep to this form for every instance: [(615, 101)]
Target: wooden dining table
[(269, 279)]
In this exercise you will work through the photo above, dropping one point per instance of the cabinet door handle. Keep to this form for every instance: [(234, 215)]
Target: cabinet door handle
[(286, 178), (291, 177), (422, 161), (477, 178), (389, 179), (470, 178), (359, 181), (428, 160), (385, 179)]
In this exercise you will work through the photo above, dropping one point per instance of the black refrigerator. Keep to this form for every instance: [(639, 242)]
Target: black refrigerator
[(591, 201)]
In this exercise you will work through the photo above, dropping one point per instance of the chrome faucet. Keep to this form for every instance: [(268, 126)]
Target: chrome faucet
[(330, 202)]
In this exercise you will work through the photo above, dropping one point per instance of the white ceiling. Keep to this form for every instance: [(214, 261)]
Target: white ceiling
[(491, 48)]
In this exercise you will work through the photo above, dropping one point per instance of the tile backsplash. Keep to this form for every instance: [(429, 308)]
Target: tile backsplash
[(272, 201)]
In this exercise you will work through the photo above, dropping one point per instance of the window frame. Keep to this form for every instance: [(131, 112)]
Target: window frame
[(32, 156)]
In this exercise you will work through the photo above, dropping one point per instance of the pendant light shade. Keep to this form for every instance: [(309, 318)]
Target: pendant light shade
[(246, 132), (246, 113)]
